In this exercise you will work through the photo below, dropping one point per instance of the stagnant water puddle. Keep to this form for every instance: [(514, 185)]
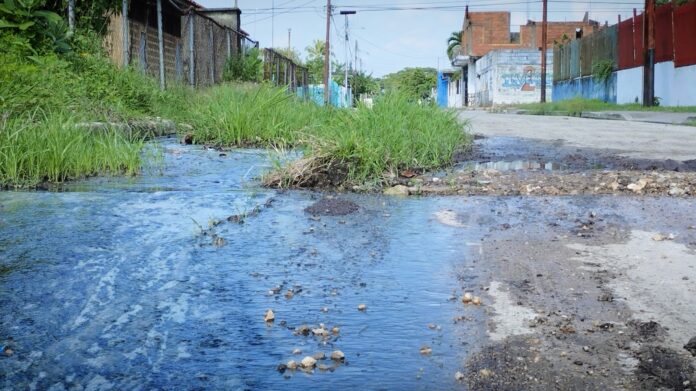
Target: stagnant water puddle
[(111, 285)]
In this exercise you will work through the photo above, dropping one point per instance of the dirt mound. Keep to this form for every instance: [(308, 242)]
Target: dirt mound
[(332, 207)]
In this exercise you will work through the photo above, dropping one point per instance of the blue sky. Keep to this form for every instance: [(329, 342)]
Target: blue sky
[(390, 40)]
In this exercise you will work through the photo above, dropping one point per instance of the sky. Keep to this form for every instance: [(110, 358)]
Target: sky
[(389, 35)]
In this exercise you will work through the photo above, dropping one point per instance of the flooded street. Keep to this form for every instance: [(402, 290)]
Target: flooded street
[(111, 285), (162, 282)]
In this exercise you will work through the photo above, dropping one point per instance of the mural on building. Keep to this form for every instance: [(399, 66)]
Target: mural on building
[(527, 80)]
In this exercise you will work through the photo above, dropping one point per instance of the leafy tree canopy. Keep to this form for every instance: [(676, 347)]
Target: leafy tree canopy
[(416, 83)]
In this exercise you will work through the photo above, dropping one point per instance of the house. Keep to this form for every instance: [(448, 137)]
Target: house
[(449, 88), (195, 45), (510, 66)]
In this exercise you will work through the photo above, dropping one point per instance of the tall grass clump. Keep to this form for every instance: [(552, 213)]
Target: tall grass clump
[(37, 149), (253, 115), (394, 135)]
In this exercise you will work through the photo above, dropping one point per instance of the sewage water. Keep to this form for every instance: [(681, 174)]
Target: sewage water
[(110, 284)]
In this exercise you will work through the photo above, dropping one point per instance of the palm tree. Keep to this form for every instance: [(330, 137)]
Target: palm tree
[(454, 43)]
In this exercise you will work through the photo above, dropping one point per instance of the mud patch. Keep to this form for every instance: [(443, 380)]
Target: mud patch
[(661, 368), (519, 364), (332, 207)]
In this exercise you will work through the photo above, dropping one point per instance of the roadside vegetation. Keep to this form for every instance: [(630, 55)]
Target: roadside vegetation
[(345, 147), (575, 107), (52, 81)]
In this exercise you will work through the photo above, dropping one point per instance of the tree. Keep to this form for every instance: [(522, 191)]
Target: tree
[(454, 43), (362, 83), (315, 64), (416, 83)]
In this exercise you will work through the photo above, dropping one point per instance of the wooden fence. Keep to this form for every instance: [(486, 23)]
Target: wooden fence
[(283, 71)]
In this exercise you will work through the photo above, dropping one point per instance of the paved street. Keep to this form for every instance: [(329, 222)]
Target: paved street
[(638, 140)]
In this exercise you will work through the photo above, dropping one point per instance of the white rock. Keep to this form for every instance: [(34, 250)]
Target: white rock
[(338, 355), (458, 376), (362, 307), (292, 365), (269, 317), (398, 190), (308, 362), (467, 298)]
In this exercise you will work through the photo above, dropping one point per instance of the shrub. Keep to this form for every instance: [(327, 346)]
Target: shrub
[(244, 67)]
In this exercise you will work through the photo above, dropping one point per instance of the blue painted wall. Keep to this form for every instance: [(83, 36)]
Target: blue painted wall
[(586, 87), (442, 85)]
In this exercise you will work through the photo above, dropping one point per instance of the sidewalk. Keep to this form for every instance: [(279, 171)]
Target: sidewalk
[(656, 117)]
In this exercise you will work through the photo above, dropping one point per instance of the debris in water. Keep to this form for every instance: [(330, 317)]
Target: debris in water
[(274, 291), (335, 330), (325, 309), (281, 368), (219, 241), (458, 376), (362, 307), (476, 300), (297, 351), (338, 355), (485, 373), (289, 294), (324, 367), (302, 330), (292, 365), (320, 332), (467, 298), (308, 362), (426, 350), (269, 317), (661, 237)]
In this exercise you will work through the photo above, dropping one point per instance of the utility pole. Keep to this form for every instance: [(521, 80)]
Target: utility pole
[(71, 16), (649, 54), (289, 40), (160, 41), (544, 35), (346, 13), (327, 55), (272, 24)]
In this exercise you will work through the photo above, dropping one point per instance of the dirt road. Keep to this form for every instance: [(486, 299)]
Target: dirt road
[(586, 290)]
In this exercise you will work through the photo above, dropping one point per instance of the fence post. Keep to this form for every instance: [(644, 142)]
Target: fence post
[(229, 44), (211, 42), (160, 39), (126, 33), (192, 52)]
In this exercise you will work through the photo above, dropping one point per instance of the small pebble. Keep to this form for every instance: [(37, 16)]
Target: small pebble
[(426, 350), (476, 300), (292, 365), (362, 307), (586, 348), (269, 317), (308, 362), (335, 330), (297, 351), (485, 373), (458, 376), (338, 355), (467, 298)]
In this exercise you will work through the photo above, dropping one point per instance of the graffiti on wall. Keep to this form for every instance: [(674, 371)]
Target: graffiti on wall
[(528, 79)]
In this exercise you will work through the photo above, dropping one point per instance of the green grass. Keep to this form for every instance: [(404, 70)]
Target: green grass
[(36, 150), (371, 144), (576, 106)]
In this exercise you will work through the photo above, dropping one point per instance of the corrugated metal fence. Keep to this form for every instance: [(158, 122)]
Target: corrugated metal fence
[(675, 38)]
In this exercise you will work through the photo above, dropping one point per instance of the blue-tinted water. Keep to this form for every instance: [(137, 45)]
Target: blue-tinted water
[(111, 285)]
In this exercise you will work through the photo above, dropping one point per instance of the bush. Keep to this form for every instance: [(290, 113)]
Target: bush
[(244, 67)]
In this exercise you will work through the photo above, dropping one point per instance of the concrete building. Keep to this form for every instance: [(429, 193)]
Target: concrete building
[(486, 32)]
